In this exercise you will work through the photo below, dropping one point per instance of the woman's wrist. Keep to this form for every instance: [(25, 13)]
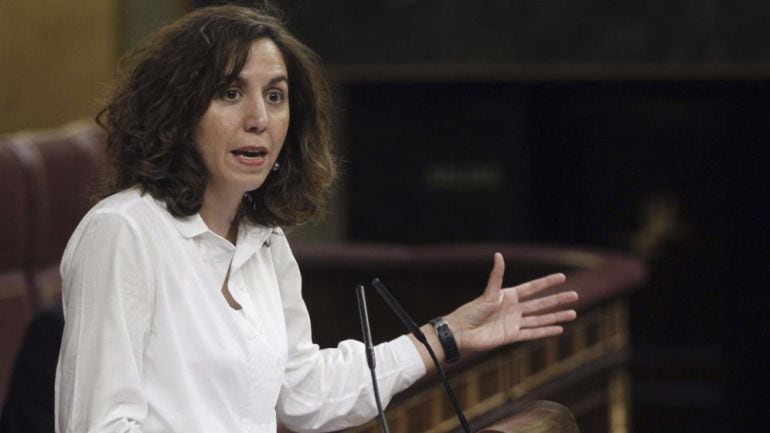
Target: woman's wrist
[(446, 339), (457, 330), (433, 341)]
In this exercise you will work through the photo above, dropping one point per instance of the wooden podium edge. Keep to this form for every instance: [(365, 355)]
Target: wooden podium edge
[(541, 416)]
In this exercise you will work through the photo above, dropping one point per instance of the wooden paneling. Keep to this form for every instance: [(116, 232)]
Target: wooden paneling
[(587, 375), (56, 57)]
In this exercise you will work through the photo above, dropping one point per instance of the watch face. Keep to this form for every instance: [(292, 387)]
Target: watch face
[(438, 322)]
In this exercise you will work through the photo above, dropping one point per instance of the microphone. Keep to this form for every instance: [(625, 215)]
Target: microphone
[(363, 314), (415, 330)]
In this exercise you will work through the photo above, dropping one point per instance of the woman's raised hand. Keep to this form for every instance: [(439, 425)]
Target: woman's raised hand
[(506, 315)]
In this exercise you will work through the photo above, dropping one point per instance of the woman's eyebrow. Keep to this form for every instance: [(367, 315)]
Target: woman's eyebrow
[(278, 79), (241, 82)]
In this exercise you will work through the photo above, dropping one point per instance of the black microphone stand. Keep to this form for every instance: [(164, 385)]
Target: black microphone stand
[(366, 331), (415, 330)]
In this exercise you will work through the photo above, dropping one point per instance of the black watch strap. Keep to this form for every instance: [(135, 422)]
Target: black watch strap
[(447, 339)]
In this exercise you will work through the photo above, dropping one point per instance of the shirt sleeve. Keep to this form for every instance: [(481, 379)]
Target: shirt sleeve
[(331, 389), (107, 307)]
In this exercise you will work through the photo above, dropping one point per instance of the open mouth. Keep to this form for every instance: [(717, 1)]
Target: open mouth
[(249, 153)]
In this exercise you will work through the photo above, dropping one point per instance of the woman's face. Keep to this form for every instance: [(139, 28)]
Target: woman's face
[(242, 132)]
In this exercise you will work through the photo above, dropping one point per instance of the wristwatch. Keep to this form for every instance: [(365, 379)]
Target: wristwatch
[(447, 339)]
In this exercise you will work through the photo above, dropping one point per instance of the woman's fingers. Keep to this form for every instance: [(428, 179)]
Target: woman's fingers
[(548, 319), (531, 287), (536, 333), (548, 302), (495, 281)]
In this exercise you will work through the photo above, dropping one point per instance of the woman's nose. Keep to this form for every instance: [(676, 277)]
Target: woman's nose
[(256, 116)]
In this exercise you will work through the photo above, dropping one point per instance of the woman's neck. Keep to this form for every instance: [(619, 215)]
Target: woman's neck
[(221, 215)]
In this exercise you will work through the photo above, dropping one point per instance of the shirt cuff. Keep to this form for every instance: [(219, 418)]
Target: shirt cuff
[(409, 358)]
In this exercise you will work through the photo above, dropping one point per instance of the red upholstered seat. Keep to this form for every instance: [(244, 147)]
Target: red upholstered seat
[(46, 181), (15, 309), (63, 166)]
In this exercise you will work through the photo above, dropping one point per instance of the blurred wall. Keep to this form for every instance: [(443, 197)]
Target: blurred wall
[(55, 57), (138, 18), (58, 58), (533, 31)]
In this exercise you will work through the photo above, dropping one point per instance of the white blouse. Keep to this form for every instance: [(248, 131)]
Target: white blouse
[(151, 345)]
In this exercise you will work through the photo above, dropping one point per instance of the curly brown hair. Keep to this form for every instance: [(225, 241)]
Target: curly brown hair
[(165, 87)]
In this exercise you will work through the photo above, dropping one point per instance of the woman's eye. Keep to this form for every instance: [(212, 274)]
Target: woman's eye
[(231, 94), (275, 96)]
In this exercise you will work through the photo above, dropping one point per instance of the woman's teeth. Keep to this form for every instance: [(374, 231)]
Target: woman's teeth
[(249, 153)]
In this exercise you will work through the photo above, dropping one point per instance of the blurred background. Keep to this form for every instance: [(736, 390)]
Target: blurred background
[(632, 126)]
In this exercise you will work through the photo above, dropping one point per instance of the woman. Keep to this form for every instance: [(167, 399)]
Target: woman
[(182, 299)]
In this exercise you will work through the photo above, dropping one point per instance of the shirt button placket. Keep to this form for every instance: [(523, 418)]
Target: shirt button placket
[(252, 366)]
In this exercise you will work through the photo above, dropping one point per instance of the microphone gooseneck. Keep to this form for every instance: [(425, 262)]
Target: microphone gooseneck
[(415, 330), (363, 314)]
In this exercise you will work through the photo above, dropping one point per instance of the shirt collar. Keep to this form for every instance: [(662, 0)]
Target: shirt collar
[(259, 235), (250, 237), (190, 226), (193, 225)]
